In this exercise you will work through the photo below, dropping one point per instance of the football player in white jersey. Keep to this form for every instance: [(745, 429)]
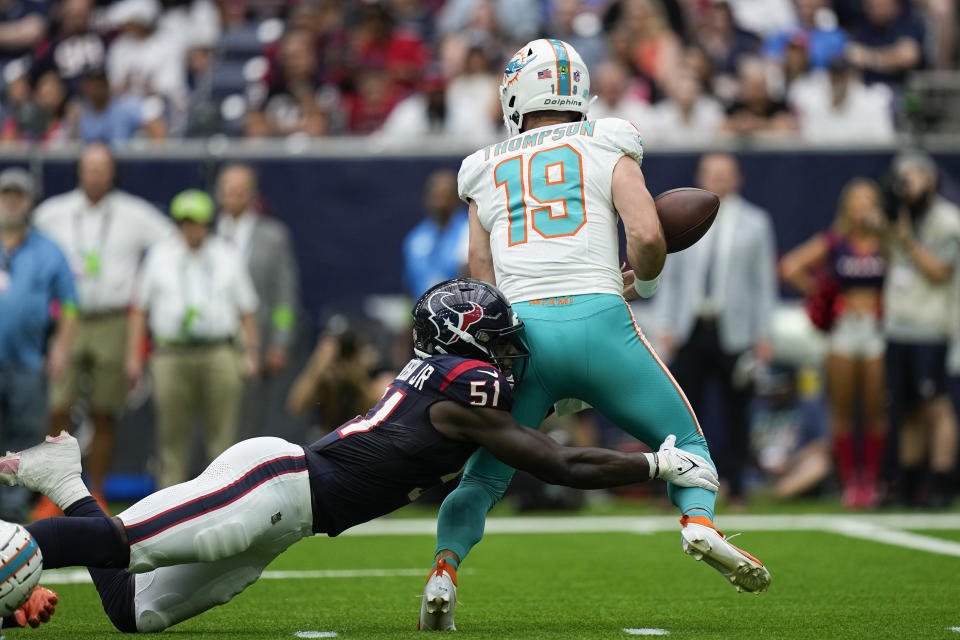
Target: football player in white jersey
[(544, 205)]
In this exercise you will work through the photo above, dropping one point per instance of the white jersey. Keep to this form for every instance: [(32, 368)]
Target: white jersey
[(545, 197)]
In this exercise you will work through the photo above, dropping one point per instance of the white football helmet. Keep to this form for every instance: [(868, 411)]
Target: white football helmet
[(545, 75)]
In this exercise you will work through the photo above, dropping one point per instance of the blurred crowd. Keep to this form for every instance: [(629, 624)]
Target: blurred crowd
[(686, 71)]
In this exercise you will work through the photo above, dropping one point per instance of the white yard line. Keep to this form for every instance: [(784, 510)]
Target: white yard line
[(875, 533)]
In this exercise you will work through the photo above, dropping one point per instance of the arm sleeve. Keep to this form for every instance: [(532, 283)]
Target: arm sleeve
[(284, 312), (143, 290), (945, 244), (244, 295), (468, 178), (64, 287), (666, 299), (766, 275), (153, 225), (624, 136)]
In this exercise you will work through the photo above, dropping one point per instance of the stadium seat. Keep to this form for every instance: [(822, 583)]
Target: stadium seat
[(228, 78), (249, 39)]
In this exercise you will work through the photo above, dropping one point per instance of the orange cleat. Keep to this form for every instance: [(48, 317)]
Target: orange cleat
[(701, 540), (38, 608)]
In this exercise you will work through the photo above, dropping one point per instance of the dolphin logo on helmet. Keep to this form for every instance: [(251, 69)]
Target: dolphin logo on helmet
[(516, 65)]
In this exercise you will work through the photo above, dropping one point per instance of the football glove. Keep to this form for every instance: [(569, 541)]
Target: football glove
[(682, 468), (37, 609)]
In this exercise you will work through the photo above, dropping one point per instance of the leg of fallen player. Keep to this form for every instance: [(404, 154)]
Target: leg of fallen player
[(53, 468), (226, 526)]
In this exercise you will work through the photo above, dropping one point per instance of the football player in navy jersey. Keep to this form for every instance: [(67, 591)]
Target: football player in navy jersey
[(193, 546)]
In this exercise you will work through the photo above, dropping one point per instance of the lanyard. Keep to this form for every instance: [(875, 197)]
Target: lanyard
[(190, 304), (91, 258)]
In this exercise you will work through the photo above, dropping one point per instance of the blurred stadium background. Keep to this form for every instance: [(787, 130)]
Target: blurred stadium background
[(353, 115)]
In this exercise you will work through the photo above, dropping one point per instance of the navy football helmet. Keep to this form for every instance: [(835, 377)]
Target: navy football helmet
[(471, 319)]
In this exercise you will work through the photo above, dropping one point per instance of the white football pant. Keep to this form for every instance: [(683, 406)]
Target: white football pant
[(198, 544)]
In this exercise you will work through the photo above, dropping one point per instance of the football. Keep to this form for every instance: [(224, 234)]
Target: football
[(20, 566), (686, 214)]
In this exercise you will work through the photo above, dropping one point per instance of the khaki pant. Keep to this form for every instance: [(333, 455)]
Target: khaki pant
[(188, 381), (98, 346)]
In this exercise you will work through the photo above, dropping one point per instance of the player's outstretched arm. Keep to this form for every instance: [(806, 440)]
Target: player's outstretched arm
[(580, 467), (646, 245)]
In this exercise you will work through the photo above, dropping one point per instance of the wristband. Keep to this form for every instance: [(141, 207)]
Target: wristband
[(653, 461), (646, 288)]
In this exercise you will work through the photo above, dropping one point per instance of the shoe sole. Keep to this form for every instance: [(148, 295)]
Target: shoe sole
[(743, 575), (435, 607)]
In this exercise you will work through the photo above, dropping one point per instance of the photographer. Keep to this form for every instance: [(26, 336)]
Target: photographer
[(920, 318)]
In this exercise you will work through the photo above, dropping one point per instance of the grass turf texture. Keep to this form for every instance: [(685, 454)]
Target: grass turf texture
[(580, 586)]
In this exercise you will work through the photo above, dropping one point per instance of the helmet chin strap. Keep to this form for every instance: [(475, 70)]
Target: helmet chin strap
[(421, 353)]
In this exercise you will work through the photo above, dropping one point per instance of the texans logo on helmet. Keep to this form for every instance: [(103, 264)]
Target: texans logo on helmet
[(450, 319)]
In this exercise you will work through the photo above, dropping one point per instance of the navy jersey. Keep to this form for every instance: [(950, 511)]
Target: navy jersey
[(382, 461)]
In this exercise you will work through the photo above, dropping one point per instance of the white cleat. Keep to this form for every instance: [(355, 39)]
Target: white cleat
[(51, 468), (741, 569), (439, 599)]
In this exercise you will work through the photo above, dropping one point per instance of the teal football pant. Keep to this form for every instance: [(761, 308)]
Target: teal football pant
[(586, 347)]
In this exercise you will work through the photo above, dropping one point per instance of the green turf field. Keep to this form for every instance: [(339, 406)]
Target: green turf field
[(580, 585)]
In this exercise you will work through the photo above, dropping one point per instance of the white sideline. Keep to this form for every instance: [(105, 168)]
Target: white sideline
[(885, 528)]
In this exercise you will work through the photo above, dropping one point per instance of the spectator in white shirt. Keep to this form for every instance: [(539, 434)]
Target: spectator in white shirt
[(144, 61), (473, 107), (195, 293), (836, 107), (688, 116), (103, 232), (428, 112), (617, 96)]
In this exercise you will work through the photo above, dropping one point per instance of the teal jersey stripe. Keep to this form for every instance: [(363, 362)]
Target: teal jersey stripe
[(563, 68)]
